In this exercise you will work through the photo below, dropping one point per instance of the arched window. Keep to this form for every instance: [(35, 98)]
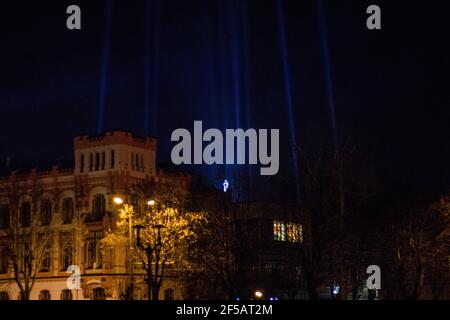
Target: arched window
[(4, 296), (4, 260), (97, 161), (103, 160), (98, 294), (25, 214), (91, 162), (46, 260), (67, 211), (99, 258), (169, 294), (138, 166), (113, 159), (93, 250), (4, 216), (98, 207), (91, 254), (66, 257), (45, 295), (46, 212), (136, 205), (82, 163), (66, 295)]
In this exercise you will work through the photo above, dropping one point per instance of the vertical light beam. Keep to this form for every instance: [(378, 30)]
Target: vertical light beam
[(327, 69), (151, 81), (104, 67), (223, 72), (235, 64), (288, 94), (147, 66), (247, 78)]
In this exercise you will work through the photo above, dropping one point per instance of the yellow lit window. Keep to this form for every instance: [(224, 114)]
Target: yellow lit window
[(279, 231), (287, 231), (294, 232)]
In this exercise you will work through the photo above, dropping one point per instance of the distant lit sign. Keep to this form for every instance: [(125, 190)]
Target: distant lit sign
[(226, 185)]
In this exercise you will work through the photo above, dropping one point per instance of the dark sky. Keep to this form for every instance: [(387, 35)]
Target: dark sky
[(391, 86)]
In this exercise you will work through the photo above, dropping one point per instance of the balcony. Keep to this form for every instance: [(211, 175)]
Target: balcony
[(95, 218)]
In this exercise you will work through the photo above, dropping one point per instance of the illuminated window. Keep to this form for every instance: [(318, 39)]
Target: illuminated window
[(287, 231), (279, 231), (294, 232)]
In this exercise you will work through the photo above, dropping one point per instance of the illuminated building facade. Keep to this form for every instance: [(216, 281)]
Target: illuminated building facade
[(76, 206)]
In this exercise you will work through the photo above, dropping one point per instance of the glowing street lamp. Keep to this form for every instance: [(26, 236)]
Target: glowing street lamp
[(118, 201), (128, 209), (258, 294)]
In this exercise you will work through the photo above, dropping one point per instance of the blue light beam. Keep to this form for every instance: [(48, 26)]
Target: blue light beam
[(104, 68), (151, 79), (327, 69), (288, 94)]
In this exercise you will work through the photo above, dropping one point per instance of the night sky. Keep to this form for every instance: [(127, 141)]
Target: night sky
[(391, 86)]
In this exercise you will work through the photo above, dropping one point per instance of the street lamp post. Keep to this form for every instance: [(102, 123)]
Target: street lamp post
[(129, 211), (149, 253), (148, 248)]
